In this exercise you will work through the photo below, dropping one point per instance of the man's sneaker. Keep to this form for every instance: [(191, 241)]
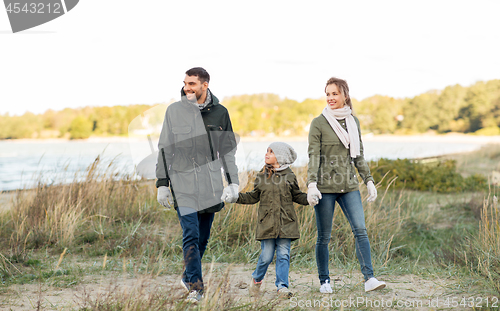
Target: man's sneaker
[(285, 293), (326, 288), (194, 296), (185, 285), (373, 284), (254, 287)]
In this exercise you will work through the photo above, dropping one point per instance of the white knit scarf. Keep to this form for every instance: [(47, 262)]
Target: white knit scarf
[(349, 137)]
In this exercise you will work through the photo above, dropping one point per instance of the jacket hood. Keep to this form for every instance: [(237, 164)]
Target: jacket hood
[(214, 101)]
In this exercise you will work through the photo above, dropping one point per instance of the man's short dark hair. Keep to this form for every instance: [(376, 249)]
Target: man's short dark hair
[(201, 73)]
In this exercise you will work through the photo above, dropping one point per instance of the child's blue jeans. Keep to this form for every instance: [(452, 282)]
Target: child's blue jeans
[(282, 247)]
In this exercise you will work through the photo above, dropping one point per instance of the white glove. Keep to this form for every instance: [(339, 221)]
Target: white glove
[(164, 196), (313, 194), (230, 194), (372, 191)]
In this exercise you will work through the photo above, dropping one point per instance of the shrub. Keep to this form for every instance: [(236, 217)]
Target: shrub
[(435, 176)]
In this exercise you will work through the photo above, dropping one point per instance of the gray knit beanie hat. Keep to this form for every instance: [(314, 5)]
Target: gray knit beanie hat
[(285, 155)]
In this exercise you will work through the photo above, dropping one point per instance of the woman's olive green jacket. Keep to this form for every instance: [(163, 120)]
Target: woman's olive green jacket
[(330, 163), (276, 214)]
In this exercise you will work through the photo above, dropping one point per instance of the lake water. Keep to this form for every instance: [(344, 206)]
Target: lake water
[(24, 162)]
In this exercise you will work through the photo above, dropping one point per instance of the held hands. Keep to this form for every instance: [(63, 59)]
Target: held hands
[(164, 197), (313, 194), (372, 191), (230, 194)]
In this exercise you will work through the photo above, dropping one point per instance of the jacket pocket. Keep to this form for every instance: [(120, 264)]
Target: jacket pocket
[(263, 217), (332, 148), (327, 176), (182, 136), (216, 177)]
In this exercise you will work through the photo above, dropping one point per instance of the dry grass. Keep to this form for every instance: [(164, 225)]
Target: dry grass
[(105, 214), (56, 215), (482, 254)]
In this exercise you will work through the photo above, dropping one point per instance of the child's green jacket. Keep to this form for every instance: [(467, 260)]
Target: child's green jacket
[(276, 216)]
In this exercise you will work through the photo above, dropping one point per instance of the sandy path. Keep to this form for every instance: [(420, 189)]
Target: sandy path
[(6, 200), (403, 292)]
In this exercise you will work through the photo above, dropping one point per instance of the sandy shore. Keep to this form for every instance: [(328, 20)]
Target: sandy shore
[(6, 200)]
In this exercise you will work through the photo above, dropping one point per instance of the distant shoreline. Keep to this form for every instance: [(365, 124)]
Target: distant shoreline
[(450, 137)]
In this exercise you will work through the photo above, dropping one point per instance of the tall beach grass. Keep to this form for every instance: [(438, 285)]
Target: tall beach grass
[(103, 215)]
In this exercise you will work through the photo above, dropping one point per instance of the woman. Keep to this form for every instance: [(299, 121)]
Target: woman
[(335, 148)]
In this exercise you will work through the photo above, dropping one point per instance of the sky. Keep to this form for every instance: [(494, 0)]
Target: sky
[(137, 52)]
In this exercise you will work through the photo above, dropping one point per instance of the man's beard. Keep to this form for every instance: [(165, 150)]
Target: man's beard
[(194, 99)]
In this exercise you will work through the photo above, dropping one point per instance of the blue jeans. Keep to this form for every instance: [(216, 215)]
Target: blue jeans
[(195, 235), (268, 246), (350, 203)]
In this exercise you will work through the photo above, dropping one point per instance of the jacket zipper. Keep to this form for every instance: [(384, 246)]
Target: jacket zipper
[(212, 128)]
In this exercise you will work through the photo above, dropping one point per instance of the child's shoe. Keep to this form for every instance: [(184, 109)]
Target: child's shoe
[(326, 288), (373, 284), (254, 287), (285, 293)]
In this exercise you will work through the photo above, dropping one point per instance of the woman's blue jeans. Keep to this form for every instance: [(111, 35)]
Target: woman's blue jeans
[(351, 205), (282, 247)]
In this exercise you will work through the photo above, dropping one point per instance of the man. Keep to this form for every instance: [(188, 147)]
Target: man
[(196, 140)]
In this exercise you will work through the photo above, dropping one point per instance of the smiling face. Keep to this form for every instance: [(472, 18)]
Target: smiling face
[(334, 98), (194, 89), (271, 158)]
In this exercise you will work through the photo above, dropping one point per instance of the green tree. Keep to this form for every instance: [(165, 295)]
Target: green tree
[(448, 106), (80, 128), (379, 113), (420, 113)]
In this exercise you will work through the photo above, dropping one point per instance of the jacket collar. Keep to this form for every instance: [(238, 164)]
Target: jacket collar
[(287, 170)]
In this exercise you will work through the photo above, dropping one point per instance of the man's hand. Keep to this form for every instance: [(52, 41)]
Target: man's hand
[(372, 191), (313, 194), (164, 197), (230, 194)]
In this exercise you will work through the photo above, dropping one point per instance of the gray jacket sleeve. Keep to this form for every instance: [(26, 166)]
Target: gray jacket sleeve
[(166, 143)]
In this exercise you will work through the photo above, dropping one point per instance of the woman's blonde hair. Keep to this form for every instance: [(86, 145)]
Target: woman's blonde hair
[(343, 88)]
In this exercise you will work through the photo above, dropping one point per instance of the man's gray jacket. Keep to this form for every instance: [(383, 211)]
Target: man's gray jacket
[(197, 144)]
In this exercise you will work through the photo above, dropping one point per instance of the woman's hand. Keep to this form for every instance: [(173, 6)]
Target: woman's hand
[(372, 191), (313, 194)]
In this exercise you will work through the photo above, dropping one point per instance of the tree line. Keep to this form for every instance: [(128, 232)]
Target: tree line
[(473, 109)]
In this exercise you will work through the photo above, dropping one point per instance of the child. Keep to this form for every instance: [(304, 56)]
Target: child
[(276, 188)]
